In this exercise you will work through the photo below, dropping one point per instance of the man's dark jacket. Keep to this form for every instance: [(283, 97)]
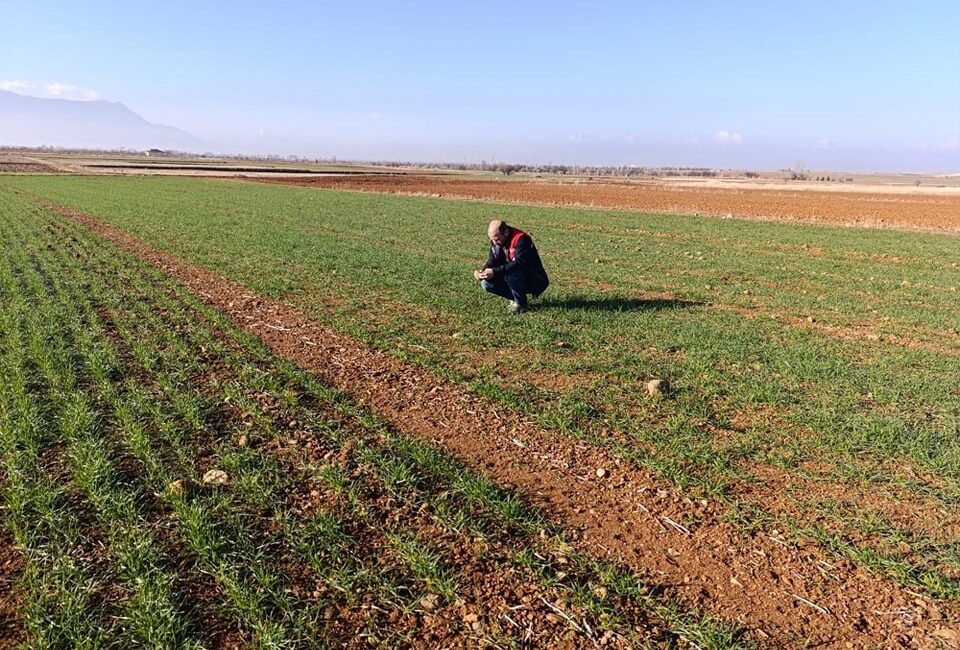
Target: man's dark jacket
[(526, 260)]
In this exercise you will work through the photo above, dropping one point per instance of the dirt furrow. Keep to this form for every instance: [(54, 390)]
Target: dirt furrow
[(11, 601), (785, 595)]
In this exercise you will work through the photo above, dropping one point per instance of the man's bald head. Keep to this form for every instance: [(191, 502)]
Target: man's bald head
[(497, 232)]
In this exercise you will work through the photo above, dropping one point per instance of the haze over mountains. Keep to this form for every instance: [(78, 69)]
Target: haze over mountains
[(34, 121), (30, 121)]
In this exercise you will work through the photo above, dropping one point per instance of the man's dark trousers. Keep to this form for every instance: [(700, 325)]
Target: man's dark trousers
[(514, 286)]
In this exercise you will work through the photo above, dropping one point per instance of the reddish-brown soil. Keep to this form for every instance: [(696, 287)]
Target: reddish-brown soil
[(22, 167), (783, 594), (11, 164), (909, 211), (11, 617)]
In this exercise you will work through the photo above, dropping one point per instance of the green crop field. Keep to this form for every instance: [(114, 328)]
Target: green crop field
[(814, 391)]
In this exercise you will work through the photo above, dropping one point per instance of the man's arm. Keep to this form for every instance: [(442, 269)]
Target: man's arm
[(492, 257), (523, 249), (486, 273)]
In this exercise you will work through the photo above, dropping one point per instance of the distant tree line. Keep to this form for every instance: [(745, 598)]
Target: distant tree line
[(798, 173), (578, 170)]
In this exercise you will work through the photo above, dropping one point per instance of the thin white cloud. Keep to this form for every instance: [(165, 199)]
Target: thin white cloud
[(17, 86), (54, 90), (726, 137), (823, 143), (66, 91), (601, 137)]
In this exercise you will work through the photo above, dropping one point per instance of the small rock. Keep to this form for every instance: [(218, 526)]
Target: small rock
[(243, 441), (456, 335), (429, 602), (602, 472), (470, 618), (948, 635), (175, 488), (811, 319), (657, 386), (560, 344), (735, 582), (216, 477)]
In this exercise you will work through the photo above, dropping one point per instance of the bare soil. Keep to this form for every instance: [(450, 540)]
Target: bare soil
[(12, 165), (11, 617), (783, 594), (915, 211)]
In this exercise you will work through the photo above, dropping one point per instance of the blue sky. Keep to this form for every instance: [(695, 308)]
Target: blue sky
[(835, 85)]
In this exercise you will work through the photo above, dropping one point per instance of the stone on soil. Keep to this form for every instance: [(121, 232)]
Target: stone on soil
[(216, 477), (657, 386)]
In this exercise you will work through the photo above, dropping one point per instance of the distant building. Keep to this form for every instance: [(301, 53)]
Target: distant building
[(154, 152)]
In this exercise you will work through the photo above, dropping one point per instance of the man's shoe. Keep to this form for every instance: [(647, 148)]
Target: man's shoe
[(515, 308)]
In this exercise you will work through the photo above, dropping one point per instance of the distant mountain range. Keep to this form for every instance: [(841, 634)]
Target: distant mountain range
[(34, 122)]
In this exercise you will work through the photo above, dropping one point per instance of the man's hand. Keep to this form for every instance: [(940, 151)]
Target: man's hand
[(483, 274)]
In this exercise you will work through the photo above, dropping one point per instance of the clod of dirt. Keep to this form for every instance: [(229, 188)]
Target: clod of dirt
[(602, 472), (215, 477), (951, 637), (657, 387)]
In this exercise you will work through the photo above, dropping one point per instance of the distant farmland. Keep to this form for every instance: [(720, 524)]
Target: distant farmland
[(253, 415)]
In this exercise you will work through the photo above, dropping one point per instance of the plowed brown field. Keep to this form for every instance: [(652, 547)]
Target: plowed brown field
[(940, 212)]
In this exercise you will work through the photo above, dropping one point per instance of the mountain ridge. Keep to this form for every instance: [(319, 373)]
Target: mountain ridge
[(35, 121)]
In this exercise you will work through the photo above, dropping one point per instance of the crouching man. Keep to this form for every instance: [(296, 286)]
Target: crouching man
[(513, 269)]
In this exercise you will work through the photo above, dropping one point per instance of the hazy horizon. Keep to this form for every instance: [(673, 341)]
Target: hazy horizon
[(733, 85)]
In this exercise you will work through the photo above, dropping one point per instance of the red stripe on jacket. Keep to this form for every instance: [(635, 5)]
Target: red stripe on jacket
[(512, 246)]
